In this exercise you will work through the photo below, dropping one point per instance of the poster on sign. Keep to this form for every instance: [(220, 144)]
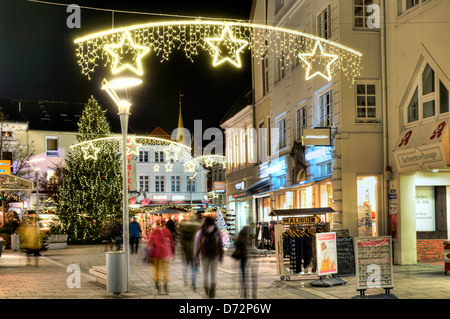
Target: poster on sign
[(326, 254)]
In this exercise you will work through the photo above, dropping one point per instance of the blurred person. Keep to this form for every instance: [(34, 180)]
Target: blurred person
[(208, 248), (162, 248), (135, 235), (108, 239), (30, 241), (170, 225), (188, 229), (117, 235), (246, 257)]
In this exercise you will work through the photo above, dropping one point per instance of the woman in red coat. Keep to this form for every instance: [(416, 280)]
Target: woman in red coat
[(162, 249)]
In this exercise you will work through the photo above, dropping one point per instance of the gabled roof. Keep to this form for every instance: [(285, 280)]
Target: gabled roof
[(160, 133)]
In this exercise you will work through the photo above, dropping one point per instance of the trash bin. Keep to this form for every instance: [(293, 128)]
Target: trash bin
[(447, 256), (116, 278)]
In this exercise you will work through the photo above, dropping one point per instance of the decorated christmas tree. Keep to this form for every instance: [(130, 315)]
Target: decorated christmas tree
[(222, 225), (91, 192)]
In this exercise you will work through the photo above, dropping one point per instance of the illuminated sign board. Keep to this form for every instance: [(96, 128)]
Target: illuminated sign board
[(219, 187), (178, 197), (5, 167), (160, 197), (317, 137)]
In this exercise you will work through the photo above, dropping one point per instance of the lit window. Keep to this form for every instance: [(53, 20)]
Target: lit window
[(51, 144)]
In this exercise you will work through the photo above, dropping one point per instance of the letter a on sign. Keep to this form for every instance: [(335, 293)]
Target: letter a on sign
[(74, 20), (405, 139), (439, 131)]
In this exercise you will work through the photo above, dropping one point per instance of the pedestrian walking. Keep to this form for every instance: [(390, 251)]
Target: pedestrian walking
[(135, 235), (188, 229), (248, 266), (208, 248), (161, 248), (30, 241), (170, 225)]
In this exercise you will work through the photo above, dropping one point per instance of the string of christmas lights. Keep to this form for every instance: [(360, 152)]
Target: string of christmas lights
[(224, 41)]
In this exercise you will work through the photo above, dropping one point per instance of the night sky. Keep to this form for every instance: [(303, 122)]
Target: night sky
[(37, 61)]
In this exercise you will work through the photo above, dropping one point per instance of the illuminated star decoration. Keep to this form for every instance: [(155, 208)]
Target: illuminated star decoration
[(234, 47), (189, 167), (309, 57), (156, 168), (118, 52), (168, 167), (172, 152), (90, 151), (209, 162), (133, 147)]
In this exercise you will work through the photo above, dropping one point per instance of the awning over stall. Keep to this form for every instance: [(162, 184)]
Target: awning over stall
[(14, 184)]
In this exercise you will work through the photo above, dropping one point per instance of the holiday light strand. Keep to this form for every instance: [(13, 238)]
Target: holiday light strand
[(207, 161), (195, 36)]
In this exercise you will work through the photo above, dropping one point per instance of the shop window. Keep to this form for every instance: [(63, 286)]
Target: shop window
[(367, 192), (431, 212)]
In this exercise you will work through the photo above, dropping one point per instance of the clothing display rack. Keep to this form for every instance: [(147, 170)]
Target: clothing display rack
[(295, 243), (265, 235)]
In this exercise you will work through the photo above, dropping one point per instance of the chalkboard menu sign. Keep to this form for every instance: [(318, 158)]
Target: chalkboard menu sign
[(345, 256)]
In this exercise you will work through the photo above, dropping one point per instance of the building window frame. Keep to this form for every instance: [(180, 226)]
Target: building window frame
[(52, 148), (419, 98), (324, 107), (282, 132), (144, 183), (159, 157), (188, 184), (159, 184), (175, 183), (360, 13), (301, 121), (143, 156), (367, 101), (324, 23)]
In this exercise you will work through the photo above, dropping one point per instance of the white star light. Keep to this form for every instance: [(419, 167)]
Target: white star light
[(308, 59)]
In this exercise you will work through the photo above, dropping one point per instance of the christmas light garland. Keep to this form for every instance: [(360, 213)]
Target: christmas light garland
[(206, 161), (224, 41)]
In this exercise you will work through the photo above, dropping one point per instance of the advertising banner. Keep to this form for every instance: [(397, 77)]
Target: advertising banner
[(326, 254), (374, 262)]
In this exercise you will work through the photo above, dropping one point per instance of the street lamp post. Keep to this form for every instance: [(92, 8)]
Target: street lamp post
[(124, 113), (191, 179)]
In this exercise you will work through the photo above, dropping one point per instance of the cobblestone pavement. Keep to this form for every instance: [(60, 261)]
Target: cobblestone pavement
[(48, 280)]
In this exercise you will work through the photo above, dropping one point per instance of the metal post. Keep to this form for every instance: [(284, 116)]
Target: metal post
[(124, 124), (37, 198)]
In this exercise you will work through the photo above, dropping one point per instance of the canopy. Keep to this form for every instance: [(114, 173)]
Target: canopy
[(12, 183)]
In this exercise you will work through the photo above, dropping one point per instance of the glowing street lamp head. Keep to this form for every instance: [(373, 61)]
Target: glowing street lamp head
[(120, 83), (124, 83)]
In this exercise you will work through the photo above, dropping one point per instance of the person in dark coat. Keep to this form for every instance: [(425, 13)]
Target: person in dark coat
[(135, 235), (188, 229)]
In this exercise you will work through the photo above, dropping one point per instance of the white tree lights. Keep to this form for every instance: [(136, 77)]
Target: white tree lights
[(124, 48)]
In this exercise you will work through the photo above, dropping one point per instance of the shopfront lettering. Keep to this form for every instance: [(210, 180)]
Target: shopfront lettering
[(419, 157), (301, 220), (405, 139), (438, 131)]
